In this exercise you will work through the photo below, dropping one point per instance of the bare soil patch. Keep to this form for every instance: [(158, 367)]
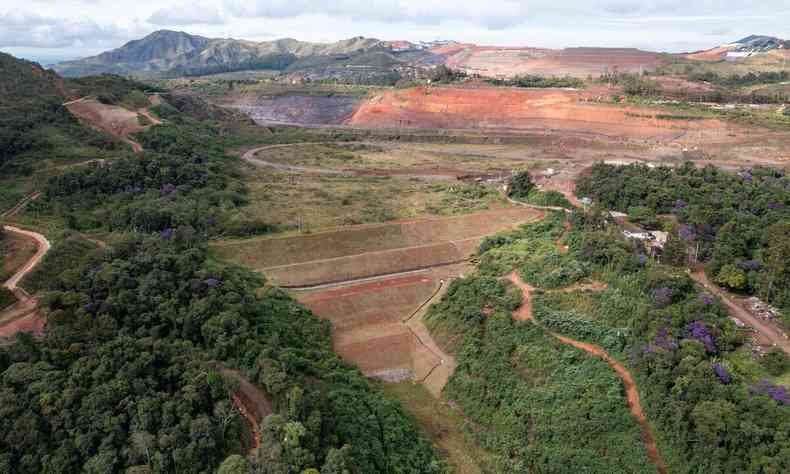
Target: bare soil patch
[(366, 320), (370, 264), (17, 249), (111, 119), (513, 109), (577, 62)]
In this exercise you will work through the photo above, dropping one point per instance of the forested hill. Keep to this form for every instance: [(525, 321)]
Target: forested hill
[(34, 124), (128, 377)]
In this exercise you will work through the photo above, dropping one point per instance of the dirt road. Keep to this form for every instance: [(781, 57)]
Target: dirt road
[(428, 174), (21, 204), (436, 377), (250, 157), (22, 316), (767, 330), (43, 248), (632, 394)]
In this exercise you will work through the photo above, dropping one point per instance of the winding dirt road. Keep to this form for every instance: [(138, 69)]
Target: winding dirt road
[(632, 394), (43, 248), (767, 330), (22, 315), (428, 174)]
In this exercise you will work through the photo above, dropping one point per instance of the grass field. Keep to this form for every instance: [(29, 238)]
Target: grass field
[(265, 252), (315, 202), (392, 156)]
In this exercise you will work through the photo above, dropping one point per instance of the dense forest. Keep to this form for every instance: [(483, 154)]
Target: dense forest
[(127, 374), (738, 224), (538, 405), (131, 375)]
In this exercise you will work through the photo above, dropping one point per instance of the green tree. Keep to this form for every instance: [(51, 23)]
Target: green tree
[(777, 262), (731, 277), (675, 252), (338, 461), (521, 185), (235, 464)]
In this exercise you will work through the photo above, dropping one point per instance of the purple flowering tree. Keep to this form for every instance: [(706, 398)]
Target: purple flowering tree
[(699, 331), (707, 299), (778, 393), (721, 373), (664, 340), (167, 189), (686, 232)]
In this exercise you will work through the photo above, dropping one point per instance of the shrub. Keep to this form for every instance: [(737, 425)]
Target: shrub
[(521, 185), (7, 297)]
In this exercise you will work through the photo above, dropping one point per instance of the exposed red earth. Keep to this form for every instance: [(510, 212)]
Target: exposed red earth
[(521, 110), (495, 61), (769, 332), (22, 317), (378, 326), (111, 119)]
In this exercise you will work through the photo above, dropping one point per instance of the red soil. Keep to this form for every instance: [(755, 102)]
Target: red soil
[(32, 323), (714, 54), (110, 119), (632, 395), (579, 62), (511, 109), (367, 322)]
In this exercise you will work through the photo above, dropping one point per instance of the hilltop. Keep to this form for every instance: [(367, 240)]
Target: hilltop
[(172, 53), (752, 45)]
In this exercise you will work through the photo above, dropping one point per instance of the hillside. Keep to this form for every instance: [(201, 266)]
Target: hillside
[(753, 45), (34, 121), (171, 53)]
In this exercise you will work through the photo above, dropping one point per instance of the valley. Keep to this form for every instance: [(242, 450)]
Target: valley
[(374, 256)]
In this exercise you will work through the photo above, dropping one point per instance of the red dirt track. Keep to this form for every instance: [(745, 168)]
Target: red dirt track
[(517, 110), (524, 313)]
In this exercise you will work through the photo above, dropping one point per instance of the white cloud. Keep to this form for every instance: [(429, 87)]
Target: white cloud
[(187, 14), (69, 28), (32, 30), (502, 14)]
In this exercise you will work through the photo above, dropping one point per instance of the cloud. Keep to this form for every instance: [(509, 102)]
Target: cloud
[(503, 14), (187, 14), (33, 30)]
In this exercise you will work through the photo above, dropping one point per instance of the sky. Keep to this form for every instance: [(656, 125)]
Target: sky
[(53, 30)]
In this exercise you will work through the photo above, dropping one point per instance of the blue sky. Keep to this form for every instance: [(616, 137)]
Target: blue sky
[(49, 30)]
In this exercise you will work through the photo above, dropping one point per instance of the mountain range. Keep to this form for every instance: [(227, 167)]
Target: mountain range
[(173, 53), (167, 53)]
